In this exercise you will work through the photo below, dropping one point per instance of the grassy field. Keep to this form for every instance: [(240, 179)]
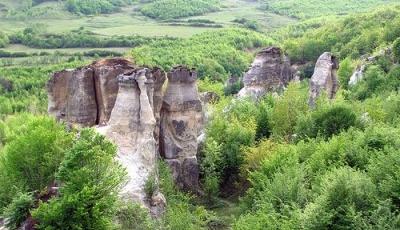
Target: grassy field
[(131, 22)]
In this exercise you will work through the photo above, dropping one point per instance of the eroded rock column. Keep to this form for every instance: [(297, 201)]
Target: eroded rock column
[(180, 125), (325, 78), (131, 128)]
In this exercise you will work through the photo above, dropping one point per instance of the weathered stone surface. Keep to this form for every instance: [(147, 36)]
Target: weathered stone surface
[(86, 95), (105, 75), (131, 127), (269, 72), (181, 121), (324, 78), (72, 96)]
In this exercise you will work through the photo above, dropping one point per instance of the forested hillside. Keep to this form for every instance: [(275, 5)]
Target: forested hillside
[(276, 161)]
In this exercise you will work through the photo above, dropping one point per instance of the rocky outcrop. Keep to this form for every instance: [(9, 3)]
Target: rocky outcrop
[(131, 127), (357, 76), (269, 72), (181, 116), (86, 95), (325, 78), (127, 104)]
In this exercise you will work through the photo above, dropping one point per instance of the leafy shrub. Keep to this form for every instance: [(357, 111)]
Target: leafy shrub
[(95, 6), (372, 83), (150, 186), (286, 110), (3, 40), (345, 71), (345, 196), (396, 49), (18, 210), (91, 179), (334, 120), (132, 216), (216, 55), (31, 155), (170, 9)]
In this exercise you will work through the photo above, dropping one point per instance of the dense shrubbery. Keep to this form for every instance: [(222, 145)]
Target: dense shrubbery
[(28, 93), (314, 8), (95, 6), (3, 40), (74, 39), (170, 9), (214, 54), (352, 36)]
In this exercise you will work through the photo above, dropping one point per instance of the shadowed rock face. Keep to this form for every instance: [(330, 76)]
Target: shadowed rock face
[(181, 119), (269, 72), (86, 95), (324, 78)]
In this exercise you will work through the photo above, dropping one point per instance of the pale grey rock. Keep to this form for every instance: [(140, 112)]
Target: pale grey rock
[(324, 78), (357, 76)]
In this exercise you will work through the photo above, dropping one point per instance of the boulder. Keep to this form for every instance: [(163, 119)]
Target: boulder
[(181, 124), (325, 78), (269, 72)]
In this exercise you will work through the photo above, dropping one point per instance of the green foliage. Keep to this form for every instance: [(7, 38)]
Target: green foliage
[(95, 6), (286, 110), (91, 179), (170, 9), (374, 82), (209, 166), (18, 210), (350, 36), (150, 186), (181, 214), (133, 216), (334, 120), (315, 8), (32, 154), (345, 71), (215, 54), (396, 49), (28, 93), (345, 196), (74, 39), (318, 184), (3, 40)]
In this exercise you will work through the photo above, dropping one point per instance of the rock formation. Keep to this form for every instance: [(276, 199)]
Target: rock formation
[(324, 78), (131, 127), (269, 72), (357, 76), (181, 116), (86, 95), (126, 104)]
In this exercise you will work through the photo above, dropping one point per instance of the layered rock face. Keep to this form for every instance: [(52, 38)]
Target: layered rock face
[(324, 78), (181, 119), (86, 95), (269, 72)]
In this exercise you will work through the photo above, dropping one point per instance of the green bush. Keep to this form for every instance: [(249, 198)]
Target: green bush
[(3, 40), (170, 9), (91, 179), (286, 110), (18, 210), (132, 216), (345, 71), (33, 151), (95, 6), (334, 120), (344, 197), (216, 55), (396, 49)]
